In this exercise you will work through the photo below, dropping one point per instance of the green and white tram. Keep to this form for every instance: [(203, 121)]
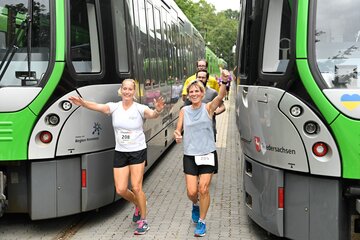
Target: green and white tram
[(298, 113), (56, 158), (214, 62)]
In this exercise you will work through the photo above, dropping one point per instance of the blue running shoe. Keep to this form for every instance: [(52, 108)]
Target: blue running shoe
[(142, 227), (195, 214), (136, 216), (200, 229)]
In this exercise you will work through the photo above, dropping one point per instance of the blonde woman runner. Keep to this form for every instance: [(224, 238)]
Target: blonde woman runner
[(130, 149), (200, 159)]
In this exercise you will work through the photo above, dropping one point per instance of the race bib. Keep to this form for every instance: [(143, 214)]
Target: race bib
[(208, 159), (124, 137)]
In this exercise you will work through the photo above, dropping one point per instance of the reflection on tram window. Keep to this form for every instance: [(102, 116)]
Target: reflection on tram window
[(337, 43)]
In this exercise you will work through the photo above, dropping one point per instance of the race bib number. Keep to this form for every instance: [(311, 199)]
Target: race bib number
[(208, 159), (124, 137)]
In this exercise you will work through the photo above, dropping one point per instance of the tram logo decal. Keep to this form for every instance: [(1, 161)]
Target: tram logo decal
[(280, 149), (257, 144), (350, 102), (97, 128)]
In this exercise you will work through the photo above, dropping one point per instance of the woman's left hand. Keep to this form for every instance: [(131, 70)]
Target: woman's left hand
[(159, 104)]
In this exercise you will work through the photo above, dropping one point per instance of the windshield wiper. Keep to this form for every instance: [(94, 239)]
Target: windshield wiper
[(29, 35), (12, 50)]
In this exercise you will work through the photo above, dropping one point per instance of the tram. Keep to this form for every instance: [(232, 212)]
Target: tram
[(56, 158), (214, 62), (298, 114)]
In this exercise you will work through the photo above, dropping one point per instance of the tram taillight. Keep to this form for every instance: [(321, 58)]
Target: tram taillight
[(320, 149), (281, 197), (45, 137), (83, 178)]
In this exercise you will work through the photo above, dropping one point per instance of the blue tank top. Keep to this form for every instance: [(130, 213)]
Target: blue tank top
[(198, 136)]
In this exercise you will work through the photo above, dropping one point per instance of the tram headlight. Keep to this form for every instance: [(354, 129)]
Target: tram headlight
[(66, 105), (311, 127), (296, 110), (52, 119)]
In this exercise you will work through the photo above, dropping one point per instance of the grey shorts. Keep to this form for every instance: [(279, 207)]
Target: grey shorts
[(123, 159), (191, 168)]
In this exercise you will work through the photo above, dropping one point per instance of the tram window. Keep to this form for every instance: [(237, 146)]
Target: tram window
[(158, 39), (144, 45), (85, 53), (2, 40), (337, 43), (170, 54), (241, 42), (120, 36), (152, 47), (20, 71), (177, 52), (173, 52), (184, 71), (165, 45), (277, 37), (189, 59)]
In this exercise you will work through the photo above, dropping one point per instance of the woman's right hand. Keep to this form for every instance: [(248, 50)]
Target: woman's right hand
[(177, 136), (77, 100)]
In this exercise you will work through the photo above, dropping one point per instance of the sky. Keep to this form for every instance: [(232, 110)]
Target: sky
[(221, 5)]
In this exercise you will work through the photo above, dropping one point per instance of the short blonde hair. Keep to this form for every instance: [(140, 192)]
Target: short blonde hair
[(197, 83)]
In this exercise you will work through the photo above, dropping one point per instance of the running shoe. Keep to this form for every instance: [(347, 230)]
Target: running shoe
[(195, 214), (200, 229), (136, 216), (142, 227)]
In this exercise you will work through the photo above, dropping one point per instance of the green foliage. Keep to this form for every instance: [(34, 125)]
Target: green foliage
[(219, 30)]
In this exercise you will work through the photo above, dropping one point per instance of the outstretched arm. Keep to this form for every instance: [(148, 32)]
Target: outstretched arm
[(218, 100), (79, 101)]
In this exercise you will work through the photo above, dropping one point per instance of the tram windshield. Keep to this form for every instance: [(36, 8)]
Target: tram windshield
[(337, 42), (24, 42)]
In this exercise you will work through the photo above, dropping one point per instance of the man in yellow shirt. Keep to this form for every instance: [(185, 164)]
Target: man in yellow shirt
[(201, 64)]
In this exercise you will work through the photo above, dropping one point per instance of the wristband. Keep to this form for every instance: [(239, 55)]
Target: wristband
[(158, 111)]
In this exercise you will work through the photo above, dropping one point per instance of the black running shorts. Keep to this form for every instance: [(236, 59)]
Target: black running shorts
[(123, 159), (191, 168)]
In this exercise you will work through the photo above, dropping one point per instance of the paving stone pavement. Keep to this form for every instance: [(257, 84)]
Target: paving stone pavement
[(169, 210)]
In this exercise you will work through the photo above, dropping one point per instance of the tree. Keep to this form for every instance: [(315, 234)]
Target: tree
[(218, 29)]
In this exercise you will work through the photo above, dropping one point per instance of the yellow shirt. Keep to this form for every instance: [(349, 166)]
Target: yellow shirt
[(211, 83)]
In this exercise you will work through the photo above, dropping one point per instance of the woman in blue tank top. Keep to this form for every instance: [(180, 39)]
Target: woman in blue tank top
[(200, 157)]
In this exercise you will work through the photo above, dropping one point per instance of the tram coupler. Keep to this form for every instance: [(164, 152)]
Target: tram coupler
[(3, 200)]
